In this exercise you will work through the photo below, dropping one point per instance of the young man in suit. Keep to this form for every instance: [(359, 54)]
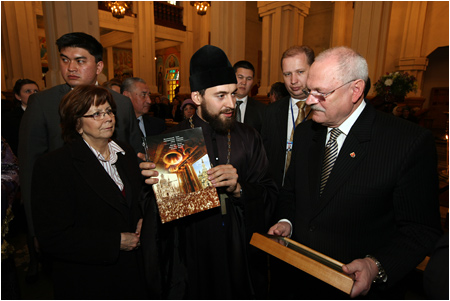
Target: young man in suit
[(136, 89), (281, 116), (362, 187), (248, 110), (40, 132)]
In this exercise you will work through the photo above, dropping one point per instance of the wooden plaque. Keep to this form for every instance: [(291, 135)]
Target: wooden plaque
[(306, 259)]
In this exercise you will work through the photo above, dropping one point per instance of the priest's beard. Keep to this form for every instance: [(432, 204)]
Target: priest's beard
[(218, 122)]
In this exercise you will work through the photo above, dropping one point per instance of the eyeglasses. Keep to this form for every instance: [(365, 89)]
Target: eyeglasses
[(100, 115), (143, 94), (322, 96)]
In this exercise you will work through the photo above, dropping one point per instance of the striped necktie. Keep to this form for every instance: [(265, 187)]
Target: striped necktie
[(238, 110), (331, 151)]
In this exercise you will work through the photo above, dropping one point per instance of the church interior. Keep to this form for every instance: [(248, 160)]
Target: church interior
[(155, 40)]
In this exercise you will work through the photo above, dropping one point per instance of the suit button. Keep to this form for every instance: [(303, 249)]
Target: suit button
[(312, 228)]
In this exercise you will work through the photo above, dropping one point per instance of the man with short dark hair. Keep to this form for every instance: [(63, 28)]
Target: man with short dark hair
[(208, 253), (136, 89), (248, 110), (277, 91), (282, 116), (362, 187), (40, 132)]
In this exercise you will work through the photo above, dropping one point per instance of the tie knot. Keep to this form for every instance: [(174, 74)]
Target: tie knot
[(301, 104), (335, 133), (238, 103)]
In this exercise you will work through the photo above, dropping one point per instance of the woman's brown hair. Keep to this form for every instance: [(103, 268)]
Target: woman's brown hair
[(77, 103)]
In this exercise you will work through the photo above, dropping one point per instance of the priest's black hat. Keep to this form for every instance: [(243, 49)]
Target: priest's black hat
[(210, 67)]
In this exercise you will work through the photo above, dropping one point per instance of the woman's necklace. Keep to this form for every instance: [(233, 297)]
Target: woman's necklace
[(191, 122)]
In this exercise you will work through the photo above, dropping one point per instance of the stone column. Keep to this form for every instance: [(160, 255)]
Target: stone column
[(144, 44), (228, 20), (110, 55), (282, 27), (190, 19), (20, 44), (342, 23), (411, 59), (370, 34), (61, 17)]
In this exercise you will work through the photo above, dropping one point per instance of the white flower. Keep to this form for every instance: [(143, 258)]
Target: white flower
[(388, 82)]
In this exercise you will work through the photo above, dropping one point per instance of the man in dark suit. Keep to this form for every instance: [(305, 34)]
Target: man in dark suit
[(136, 89), (40, 132), (248, 110), (280, 117), (362, 185)]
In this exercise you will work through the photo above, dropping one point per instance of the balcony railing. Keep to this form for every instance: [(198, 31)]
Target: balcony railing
[(168, 15)]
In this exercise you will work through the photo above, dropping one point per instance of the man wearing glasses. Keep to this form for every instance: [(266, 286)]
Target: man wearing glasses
[(362, 186), (136, 89)]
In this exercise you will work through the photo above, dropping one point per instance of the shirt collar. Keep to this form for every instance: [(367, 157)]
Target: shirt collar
[(295, 100), (346, 126), (244, 100), (114, 148)]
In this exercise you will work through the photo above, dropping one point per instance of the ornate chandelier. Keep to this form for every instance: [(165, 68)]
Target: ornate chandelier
[(201, 6), (118, 8)]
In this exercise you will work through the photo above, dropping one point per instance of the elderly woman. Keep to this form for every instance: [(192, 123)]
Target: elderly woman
[(85, 203)]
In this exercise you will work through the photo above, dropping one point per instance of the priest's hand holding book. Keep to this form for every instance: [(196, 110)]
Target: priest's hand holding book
[(225, 176)]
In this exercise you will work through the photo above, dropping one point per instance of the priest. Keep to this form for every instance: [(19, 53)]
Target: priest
[(207, 255)]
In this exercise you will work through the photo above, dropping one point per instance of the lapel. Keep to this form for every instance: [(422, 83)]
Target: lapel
[(315, 158), (282, 121), (147, 125), (249, 111), (96, 177), (356, 142), (125, 175)]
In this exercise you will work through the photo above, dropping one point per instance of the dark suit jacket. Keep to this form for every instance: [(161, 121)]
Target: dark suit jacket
[(10, 127), (79, 213), (153, 125), (254, 114), (40, 132), (274, 134), (380, 198)]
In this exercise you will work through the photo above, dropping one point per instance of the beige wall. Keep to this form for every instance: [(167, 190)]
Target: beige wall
[(253, 32), (326, 24), (318, 26), (436, 26)]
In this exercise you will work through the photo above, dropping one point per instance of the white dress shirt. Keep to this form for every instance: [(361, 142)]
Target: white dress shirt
[(243, 106), (109, 165)]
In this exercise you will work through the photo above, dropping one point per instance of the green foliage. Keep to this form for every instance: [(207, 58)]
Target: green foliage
[(395, 83)]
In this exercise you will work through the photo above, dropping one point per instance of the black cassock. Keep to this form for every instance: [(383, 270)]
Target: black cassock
[(207, 255)]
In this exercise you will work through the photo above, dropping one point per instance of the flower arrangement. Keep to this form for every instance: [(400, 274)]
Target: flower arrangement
[(396, 84)]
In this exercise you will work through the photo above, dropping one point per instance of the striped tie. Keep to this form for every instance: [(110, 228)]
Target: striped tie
[(238, 111), (331, 150)]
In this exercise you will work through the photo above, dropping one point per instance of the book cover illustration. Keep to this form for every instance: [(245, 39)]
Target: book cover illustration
[(182, 161)]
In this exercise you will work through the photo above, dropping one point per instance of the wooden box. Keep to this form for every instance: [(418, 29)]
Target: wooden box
[(305, 259)]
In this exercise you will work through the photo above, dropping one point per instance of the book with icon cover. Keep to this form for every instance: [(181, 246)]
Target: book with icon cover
[(182, 161)]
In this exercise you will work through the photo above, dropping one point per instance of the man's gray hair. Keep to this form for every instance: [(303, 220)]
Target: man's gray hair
[(351, 65), (128, 84)]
